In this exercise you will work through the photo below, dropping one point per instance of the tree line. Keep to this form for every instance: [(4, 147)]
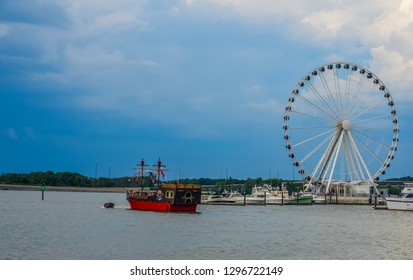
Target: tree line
[(66, 179), (73, 179)]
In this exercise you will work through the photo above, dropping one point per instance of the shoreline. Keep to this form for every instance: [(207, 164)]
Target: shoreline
[(330, 200), (6, 187)]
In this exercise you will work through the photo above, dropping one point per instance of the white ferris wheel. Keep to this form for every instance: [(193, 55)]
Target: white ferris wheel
[(341, 125)]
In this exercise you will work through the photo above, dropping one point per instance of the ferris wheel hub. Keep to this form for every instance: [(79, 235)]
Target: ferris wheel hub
[(346, 125)]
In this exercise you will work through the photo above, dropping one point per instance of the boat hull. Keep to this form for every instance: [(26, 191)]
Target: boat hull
[(399, 204), (161, 206), (302, 200), (222, 202), (167, 198)]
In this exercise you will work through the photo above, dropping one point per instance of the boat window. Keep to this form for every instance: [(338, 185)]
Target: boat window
[(188, 197), (169, 194), (409, 195)]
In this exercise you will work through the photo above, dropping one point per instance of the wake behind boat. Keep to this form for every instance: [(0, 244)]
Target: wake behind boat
[(165, 197)]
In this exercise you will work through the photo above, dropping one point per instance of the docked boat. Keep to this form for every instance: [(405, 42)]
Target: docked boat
[(267, 195), (165, 197), (232, 198), (405, 202), (319, 199), (301, 199)]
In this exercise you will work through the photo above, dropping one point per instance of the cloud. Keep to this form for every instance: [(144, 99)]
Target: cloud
[(210, 69), (39, 12), (92, 55), (117, 56), (30, 133), (382, 29), (116, 19), (11, 134), (49, 77), (391, 55), (4, 30)]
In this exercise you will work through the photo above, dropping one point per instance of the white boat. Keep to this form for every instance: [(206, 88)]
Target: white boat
[(267, 195), (225, 198), (319, 199), (405, 202)]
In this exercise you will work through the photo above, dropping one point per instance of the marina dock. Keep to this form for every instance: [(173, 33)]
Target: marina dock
[(328, 199)]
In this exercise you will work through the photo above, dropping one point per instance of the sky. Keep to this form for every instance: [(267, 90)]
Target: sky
[(96, 85)]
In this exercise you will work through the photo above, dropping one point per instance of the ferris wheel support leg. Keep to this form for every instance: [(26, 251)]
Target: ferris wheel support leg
[(360, 157), (348, 158), (325, 162), (337, 151), (352, 160)]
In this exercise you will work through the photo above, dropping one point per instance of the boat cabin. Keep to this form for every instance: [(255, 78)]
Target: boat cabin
[(170, 193)]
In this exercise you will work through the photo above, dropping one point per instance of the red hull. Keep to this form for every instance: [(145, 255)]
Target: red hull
[(161, 206)]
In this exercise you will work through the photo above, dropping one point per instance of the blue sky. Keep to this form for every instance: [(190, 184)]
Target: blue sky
[(200, 84)]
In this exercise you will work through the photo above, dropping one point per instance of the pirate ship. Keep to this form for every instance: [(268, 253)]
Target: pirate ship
[(164, 197)]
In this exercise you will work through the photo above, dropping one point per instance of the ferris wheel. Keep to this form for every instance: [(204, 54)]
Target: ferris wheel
[(341, 124)]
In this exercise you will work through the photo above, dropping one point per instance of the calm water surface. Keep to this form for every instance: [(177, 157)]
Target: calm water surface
[(74, 225)]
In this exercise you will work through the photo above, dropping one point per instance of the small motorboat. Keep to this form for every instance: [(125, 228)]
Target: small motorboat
[(109, 205)]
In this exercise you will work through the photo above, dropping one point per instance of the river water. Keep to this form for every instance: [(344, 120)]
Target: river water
[(74, 225)]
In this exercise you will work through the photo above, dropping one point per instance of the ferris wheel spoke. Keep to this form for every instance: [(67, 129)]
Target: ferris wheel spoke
[(373, 154), (338, 92), (363, 102), (315, 149), (318, 108), (309, 127), (354, 104), (371, 139), (367, 96), (312, 138), (348, 97), (368, 109), (373, 129), (330, 97), (311, 116), (374, 118)]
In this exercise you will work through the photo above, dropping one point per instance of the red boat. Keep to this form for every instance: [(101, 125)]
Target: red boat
[(165, 197)]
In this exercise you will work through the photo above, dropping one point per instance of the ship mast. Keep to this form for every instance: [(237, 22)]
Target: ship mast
[(159, 165), (142, 176)]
